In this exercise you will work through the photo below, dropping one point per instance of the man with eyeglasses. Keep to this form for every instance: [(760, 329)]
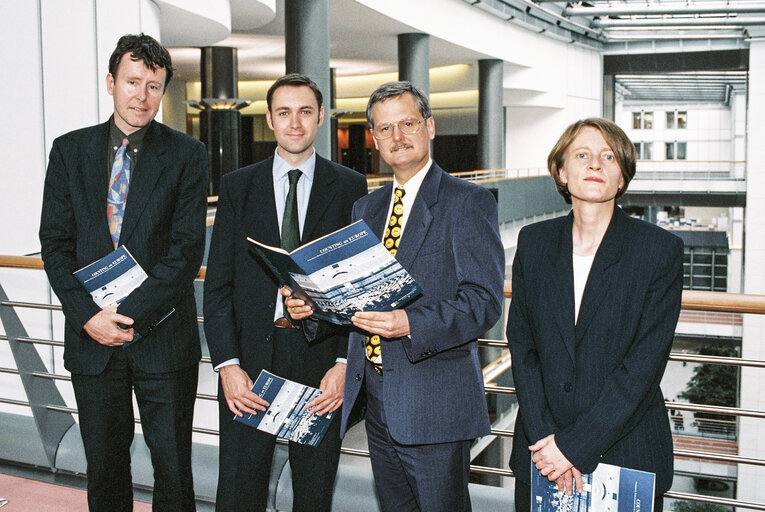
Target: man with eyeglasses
[(424, 387)]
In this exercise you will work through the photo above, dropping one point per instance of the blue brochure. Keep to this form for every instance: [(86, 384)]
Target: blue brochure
[(287, 416), (607, 489), (112, 278), (343, 272)]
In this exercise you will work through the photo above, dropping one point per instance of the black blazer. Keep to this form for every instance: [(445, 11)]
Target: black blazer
[(595, 384), (239, 293), (163, 228)]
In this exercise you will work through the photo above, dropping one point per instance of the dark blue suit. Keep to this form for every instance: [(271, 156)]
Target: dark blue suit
[(431, 390), (595, 384), (164, 229)]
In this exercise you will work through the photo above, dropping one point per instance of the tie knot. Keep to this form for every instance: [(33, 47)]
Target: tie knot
[(400, 192), (125, 142), (294, 176)]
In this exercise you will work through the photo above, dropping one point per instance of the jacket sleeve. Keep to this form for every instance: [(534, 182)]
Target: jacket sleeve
[(176, 270), (479, 260), (634, 382), (220, 322), (58, 242)]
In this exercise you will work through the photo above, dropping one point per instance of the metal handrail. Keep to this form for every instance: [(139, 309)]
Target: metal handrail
[(692, 300)]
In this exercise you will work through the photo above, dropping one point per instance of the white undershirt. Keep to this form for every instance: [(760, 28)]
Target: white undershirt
[(582, 265)]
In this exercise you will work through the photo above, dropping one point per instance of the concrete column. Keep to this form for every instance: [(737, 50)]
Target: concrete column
[(414, 60), (306, 35), (491, 118), (332, 120), (752, 431), (219, 128), (609, 98)]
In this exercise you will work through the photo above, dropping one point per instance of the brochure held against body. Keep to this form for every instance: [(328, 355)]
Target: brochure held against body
[(343, 272), (112, 278), (286, 415), (607, 489)]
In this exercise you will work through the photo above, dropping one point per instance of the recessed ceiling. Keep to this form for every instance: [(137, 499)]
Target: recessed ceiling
[(698, 87)]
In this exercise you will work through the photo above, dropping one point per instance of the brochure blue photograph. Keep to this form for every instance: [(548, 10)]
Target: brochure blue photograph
[(607, 489), (343, 272), (287, 416), (112, 278)]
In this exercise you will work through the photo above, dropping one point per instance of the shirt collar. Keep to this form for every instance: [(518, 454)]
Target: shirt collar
[(282, 167), (135, 139), (412, 186)]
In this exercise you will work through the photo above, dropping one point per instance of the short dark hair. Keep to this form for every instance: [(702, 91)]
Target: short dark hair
[(617, 140), (393, 89), (295, 80), (145, 48)]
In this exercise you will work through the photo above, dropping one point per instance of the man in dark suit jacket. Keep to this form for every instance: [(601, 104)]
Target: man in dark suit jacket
[(425, 401), (244, 322), (163, 228)]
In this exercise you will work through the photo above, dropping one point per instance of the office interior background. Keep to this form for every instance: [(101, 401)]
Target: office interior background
[(684, 79)]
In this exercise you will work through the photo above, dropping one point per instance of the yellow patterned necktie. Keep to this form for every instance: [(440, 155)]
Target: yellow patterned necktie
[(391, 240)]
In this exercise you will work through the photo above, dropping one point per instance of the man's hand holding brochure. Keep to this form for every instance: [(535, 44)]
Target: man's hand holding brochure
[(340, 273)]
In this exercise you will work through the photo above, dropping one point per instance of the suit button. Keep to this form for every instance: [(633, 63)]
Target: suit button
[(268, 338), (272, 305), (567, 387), (358, 377)]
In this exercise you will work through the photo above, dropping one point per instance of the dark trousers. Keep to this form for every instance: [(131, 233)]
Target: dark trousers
[(523, 498), (166, 407), (246, 453), (417, 478)]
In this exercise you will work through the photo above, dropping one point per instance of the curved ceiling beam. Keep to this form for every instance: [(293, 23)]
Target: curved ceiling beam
[(194, 22), (249, 14), (715, 8), (678, 22)]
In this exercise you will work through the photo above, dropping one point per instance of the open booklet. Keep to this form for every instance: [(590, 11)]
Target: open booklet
[(112, 278), (287, 416), (343, 272), (607, 489)]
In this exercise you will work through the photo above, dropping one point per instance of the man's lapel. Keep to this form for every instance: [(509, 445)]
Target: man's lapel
[(152, 160), (96, 176), (322, 195), (377, 210), (260, 219), (420, 218)]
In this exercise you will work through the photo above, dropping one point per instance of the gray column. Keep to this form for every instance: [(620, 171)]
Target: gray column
[(414, 60), (332, 120), (306, 38), (491, 115), (609, 97)]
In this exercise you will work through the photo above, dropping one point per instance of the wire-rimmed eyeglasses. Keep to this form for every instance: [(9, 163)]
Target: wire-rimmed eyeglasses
[(408, 126)]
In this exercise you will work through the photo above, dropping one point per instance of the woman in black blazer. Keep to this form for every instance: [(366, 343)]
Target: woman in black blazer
[(596, 297)]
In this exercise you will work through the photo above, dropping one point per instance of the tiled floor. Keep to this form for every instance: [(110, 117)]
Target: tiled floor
[(25, 495)]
